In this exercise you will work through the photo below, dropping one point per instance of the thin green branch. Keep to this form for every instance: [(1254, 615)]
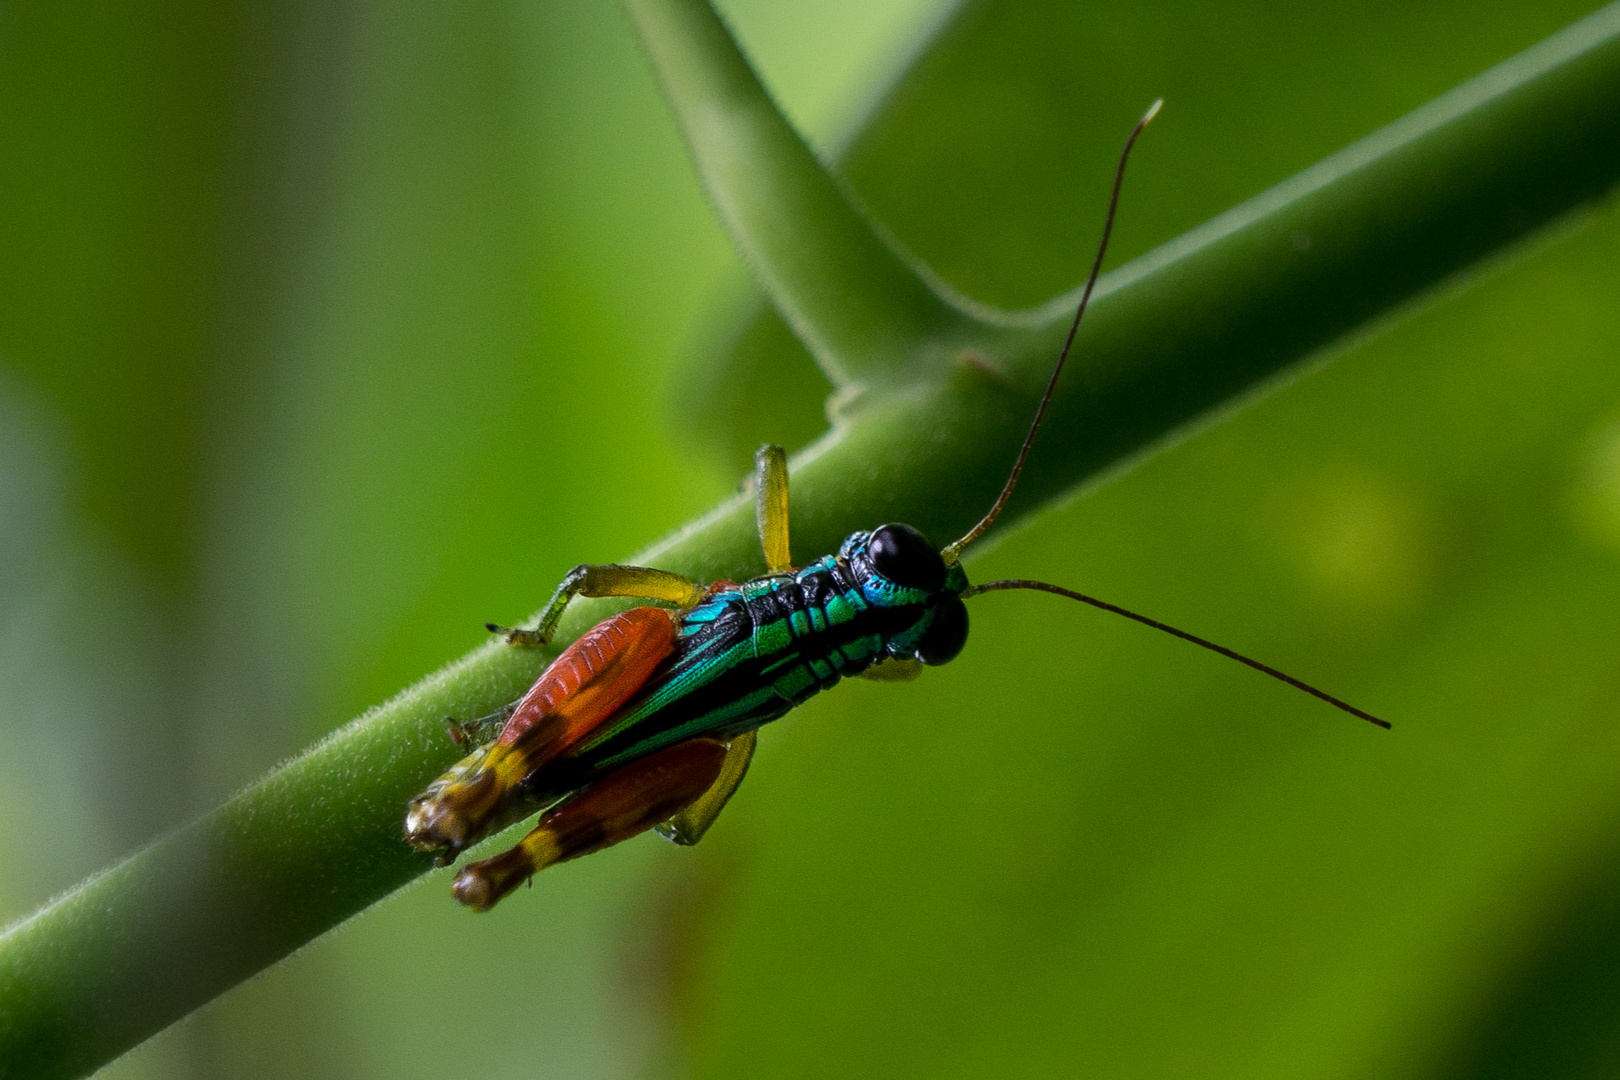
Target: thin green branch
[(862, 311), (1181, 332), (1229, 305)]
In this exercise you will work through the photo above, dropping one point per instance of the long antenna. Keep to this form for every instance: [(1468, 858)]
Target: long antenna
[(953, 551), (1019, 583)]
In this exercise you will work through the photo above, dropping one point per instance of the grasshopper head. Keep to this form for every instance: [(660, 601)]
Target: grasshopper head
[(898, 568)]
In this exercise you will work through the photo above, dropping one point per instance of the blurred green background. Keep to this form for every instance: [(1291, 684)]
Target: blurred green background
[(329, 331)]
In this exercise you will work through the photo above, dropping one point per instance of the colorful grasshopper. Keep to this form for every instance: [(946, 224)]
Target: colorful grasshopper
[(649, 719)]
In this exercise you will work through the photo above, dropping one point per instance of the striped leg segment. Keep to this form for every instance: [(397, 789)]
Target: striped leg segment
[(688, 826), (771, 506), (627, 801), (605, 579), (581, 689)]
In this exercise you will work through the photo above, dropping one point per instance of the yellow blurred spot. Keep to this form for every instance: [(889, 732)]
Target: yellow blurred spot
[(1595, 496), (1361, 541)]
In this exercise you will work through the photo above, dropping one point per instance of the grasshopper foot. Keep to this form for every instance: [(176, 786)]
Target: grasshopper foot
[(518, 636)]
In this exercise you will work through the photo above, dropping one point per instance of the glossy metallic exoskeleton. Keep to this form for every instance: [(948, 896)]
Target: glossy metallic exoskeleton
[(649, 719)]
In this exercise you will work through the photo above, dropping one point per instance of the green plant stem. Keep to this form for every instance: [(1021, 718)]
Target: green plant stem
[(1222, 309), (1183, 331), (862, 311)]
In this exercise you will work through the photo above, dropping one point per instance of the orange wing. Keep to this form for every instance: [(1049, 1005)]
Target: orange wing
[(581, 689), (585, 686)]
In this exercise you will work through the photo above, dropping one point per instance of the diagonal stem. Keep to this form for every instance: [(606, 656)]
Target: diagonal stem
[(863, 311), (1181, 332)]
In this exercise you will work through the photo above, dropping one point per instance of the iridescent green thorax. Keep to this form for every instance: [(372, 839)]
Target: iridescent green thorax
[(751, 652)]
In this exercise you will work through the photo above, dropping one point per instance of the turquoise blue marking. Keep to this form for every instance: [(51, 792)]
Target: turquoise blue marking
[(771, 654)]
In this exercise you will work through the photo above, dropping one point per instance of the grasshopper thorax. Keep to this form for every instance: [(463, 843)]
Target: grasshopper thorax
[(896, 567)]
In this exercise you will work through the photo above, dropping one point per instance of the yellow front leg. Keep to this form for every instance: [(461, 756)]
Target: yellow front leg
[(771, 506), (605, 579)]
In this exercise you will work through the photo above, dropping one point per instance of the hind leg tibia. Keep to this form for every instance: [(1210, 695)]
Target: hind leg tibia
[(629, 800), (688, 826)]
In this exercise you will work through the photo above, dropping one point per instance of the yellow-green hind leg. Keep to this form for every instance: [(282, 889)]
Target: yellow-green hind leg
[(688, 826), (605, 579), (771, 506)]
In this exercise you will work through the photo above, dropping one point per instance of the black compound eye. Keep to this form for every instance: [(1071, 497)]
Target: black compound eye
[(946, 634), (904, 556)]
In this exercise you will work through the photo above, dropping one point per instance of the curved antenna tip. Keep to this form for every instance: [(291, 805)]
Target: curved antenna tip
[(952, 551)]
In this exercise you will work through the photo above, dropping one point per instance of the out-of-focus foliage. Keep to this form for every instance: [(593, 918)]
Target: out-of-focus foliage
[(332, 332)]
